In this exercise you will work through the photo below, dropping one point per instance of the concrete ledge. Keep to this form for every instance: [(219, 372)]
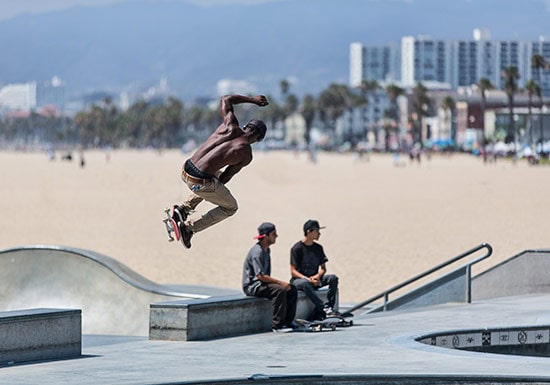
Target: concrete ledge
[(214, 317), (304, 307), (40, 334), (217, 317)]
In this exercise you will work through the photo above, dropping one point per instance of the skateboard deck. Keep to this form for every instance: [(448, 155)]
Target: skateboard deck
[(344, 320), (328, 324), (171, 227)]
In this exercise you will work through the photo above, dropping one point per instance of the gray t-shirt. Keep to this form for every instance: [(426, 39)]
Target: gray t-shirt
[(257, 262)]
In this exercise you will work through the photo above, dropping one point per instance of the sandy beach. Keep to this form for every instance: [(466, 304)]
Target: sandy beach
[(384, 223)]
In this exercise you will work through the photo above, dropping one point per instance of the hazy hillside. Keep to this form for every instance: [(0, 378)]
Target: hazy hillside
[(131, 45)]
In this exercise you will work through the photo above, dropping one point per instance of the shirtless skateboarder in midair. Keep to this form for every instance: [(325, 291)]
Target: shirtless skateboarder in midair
[(228, 146)]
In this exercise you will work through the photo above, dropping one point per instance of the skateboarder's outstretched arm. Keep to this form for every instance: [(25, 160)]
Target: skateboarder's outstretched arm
[(228, 101)]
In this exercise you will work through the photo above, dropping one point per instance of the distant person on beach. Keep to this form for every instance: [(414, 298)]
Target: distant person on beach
[(309, 272), (229, 147), (258, 282), (82, 159)]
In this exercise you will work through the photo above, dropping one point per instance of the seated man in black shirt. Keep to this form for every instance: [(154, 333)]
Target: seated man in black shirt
[(308, 270)]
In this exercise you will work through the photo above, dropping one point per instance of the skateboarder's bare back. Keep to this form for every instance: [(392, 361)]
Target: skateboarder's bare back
[(227, 146)]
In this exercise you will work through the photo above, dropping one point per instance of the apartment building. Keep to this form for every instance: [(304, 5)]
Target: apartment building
[(18, 97), (458, 63), (32, 95), (381, 63)]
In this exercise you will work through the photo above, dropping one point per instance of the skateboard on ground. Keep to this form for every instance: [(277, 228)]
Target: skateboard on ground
[(344, 320), (317, 326), (171, 227)]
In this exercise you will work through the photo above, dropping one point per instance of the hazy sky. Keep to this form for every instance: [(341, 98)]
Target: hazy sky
[(11, 8)]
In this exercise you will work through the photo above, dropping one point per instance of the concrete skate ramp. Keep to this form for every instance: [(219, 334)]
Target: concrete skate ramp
[(114, 299)]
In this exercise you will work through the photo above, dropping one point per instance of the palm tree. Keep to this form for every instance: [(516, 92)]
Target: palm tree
[(448, 105), (272, 113), (132, 123), (511, 77), (291, 104), (484, 85), (352, 101), (538, 63), (367, 88), (308, 112), (541, 139), (421, 104), (394, 92), (290, 101), (332, 104), (532, 88), (284, 85), (174, 111)]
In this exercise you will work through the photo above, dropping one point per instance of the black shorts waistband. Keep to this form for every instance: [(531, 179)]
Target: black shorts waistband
[(193, 170)]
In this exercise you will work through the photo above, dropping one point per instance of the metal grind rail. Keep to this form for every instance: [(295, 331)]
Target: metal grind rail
[(386, 294)]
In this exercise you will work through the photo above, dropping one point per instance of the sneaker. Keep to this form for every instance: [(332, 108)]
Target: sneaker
[(329, 312), (186, 234), (179, 214), (317, 315), (282, 329)]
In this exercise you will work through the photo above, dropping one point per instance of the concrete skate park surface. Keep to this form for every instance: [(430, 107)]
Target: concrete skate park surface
[(113, 298), (381, 348)]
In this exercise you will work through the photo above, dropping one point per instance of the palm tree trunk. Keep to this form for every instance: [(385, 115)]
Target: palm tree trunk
[(511, 117), (541, 126)]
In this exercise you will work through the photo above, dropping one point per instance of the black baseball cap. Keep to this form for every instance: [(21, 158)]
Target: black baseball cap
[(312, 224), (259, 127), (264, 229)]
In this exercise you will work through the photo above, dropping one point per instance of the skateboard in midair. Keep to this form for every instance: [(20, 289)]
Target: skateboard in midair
[(171, 227)]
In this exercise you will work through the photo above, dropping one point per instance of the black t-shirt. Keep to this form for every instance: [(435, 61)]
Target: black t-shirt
[(307, 259)]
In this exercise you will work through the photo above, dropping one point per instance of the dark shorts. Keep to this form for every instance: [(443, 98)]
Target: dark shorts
[(193, 170)]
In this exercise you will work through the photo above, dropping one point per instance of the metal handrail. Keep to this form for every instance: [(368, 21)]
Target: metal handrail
[(386, 293)]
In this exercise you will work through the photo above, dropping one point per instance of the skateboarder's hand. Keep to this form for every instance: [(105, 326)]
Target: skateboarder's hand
[(260, 100)]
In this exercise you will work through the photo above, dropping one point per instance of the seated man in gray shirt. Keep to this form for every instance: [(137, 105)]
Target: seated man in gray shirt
[(258, 282)]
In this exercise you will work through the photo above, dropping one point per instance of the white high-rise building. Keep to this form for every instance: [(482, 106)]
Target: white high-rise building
[(425, 60), (380, 63), (356, 64), (18, 97)]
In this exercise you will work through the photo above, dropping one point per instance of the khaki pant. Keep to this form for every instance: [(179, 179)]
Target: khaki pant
[(212, 191)]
